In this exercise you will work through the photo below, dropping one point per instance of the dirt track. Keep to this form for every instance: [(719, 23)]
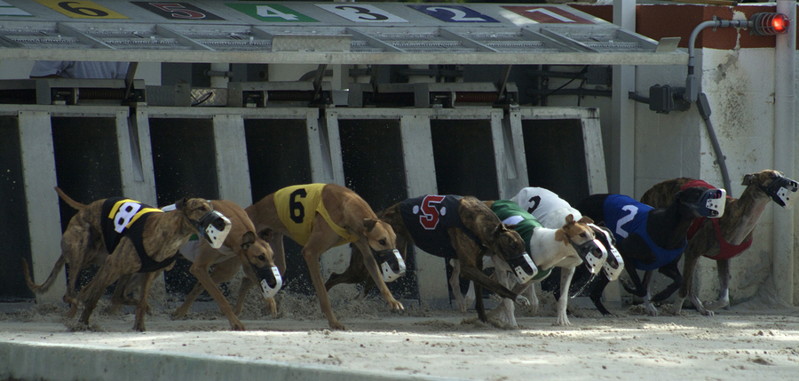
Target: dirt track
[(743, 343)]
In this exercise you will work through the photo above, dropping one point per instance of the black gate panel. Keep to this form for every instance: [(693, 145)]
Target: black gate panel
[(86, 161), (87, 166), (13, 227), (277, 152), (373, 164), (184, 164), (556, 157), (464, 158)]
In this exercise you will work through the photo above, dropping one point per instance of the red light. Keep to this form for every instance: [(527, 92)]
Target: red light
[(768, 23), (780, 23)]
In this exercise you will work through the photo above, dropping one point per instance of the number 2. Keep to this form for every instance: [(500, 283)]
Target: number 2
[(632, 210)]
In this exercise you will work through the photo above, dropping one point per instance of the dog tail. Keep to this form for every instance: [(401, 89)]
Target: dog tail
[(36, 288), (69, 200)]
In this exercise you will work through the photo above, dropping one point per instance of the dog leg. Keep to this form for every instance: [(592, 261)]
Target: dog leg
[(672, 271), (596, 294), (689, 267), (74, 249), (92, 292), (200, 271), (566, 275), (320, 240), (481, 279), (374, 271), (141, 309), (723, 270), (455, 285), (648, 306), (505, 311)]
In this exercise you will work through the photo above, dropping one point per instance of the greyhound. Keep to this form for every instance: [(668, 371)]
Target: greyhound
[(132, 237), (452, 227), (648, 238), (319, 217), (724, 238), (242, 249)]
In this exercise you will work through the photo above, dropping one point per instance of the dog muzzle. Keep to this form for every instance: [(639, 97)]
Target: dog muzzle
[(781, 191), (614, 264), (524, 267), (391, 264), (593, 254), (711, 204), (214, 227), (271, 281)]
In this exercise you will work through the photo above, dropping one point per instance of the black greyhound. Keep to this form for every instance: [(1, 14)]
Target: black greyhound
[(648, 238)]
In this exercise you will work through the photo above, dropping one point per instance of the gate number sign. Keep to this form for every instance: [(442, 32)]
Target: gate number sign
[(362, 13), (548, 15), (453, 13), (271, 12), (177, 11), (81, 9)]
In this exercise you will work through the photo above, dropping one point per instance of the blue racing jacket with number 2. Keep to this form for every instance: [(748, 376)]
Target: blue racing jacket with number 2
[(632, 216)]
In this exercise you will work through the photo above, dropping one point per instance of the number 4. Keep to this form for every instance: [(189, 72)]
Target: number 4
[(267, 12)]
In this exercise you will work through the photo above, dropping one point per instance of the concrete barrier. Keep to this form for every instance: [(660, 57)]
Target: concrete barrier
[(41, 361)]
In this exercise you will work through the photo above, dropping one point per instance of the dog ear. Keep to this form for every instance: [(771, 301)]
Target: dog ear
[(586, 220), (181, 204), (369, 224), (265, 234), (569, 219), (247, 239), (748, 179), (560, 235)]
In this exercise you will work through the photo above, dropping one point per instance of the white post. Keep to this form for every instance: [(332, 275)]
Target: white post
[(622, 130), (784, 145)]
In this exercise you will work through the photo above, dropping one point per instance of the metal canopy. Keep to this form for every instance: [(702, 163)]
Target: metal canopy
[(319, 33)]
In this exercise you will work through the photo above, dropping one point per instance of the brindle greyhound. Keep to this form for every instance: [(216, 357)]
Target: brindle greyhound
[(719, 239), (146, 240), (474, 231), (319, 217), (647, 238), (241, 247)]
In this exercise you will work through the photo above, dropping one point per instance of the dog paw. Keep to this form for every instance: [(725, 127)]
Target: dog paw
[(396, 305), (521, 300), (718, 304), (337, 326), (708, 313), (651, 310), (563, 322)]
